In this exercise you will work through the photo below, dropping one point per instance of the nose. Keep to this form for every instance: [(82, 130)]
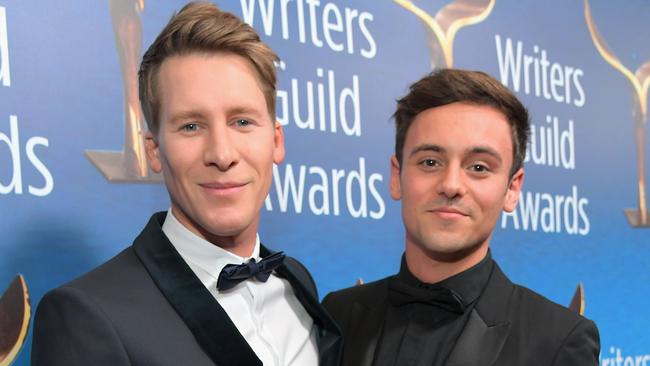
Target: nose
[(451, 184), (220, 149)]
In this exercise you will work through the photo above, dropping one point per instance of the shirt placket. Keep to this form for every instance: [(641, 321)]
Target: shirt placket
[(258, 298)]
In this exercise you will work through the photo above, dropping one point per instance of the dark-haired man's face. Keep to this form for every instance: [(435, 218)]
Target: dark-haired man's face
[(454, 178)]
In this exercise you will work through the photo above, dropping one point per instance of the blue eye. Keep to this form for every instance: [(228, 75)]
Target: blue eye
[(190, 127), (242, 123)]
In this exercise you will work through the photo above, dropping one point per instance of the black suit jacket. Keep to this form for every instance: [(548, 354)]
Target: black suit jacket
[(146, 307), (510, 325)]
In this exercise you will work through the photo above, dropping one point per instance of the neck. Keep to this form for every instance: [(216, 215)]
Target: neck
[(430, 267), (241, 243)]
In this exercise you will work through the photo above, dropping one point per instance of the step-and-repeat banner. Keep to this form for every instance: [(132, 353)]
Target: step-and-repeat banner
[(71, 195)]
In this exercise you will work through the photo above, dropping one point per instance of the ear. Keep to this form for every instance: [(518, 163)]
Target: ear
[(278, 143), (395, 183), (153, 151), (513, 191)]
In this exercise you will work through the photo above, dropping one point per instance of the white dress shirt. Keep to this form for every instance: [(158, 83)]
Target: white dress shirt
[(267, 314)]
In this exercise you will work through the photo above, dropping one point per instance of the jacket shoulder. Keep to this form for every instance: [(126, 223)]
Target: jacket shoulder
[(538, 309), (554, 330), (523, 307), (121, 267), (365, 295), (113, 315), (66, 316), (106, 284)]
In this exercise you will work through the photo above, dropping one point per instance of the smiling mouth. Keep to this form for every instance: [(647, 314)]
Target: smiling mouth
[(448, 213), (222, 189)]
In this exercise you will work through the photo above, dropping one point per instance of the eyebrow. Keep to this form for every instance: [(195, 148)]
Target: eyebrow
[(186, 115), (242, 110), (486, 150), (427, 147), (474, 150)]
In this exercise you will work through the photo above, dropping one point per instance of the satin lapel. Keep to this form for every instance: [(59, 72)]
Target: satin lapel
[(487, 328), (479, 344), (205, 318), (365, 330), (330, 341)]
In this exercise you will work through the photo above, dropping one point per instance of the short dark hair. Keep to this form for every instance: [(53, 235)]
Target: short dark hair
[(204, 28), (446, 86)]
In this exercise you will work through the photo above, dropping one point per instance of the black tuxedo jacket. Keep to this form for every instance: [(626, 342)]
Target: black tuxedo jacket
[(509, 326), (146, 307)]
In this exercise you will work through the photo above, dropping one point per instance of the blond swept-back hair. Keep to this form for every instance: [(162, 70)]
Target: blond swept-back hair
[(204, 28)]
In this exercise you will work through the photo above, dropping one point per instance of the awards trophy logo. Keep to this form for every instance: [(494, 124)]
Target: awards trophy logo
[(577, 303), (130, 164), (640, 81), (15, 313), (442, 27)]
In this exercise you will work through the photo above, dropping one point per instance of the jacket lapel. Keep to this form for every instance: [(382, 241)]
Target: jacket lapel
[(487, 328), (479, 344), (365, 329), (206, 319), (330, 341)]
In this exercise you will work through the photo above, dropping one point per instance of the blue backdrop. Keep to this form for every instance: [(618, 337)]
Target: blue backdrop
[(343, 65)]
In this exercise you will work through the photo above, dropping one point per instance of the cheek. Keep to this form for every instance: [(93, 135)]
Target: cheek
[(417, 189), (490, 198), (169, 161), (177, 158), (259, 152)]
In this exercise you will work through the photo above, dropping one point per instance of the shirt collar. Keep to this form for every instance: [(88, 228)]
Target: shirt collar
[(468, 284), (209, 257)]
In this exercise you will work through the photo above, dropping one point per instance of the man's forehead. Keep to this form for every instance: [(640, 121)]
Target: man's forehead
[(460, 127), (454, 114), (179, 67)]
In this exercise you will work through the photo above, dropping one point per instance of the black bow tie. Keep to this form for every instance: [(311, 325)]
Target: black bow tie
[(401, 294), (232, 274)]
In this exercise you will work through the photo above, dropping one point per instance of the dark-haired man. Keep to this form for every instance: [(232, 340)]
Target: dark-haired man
[(197, 287), (460, 144)]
